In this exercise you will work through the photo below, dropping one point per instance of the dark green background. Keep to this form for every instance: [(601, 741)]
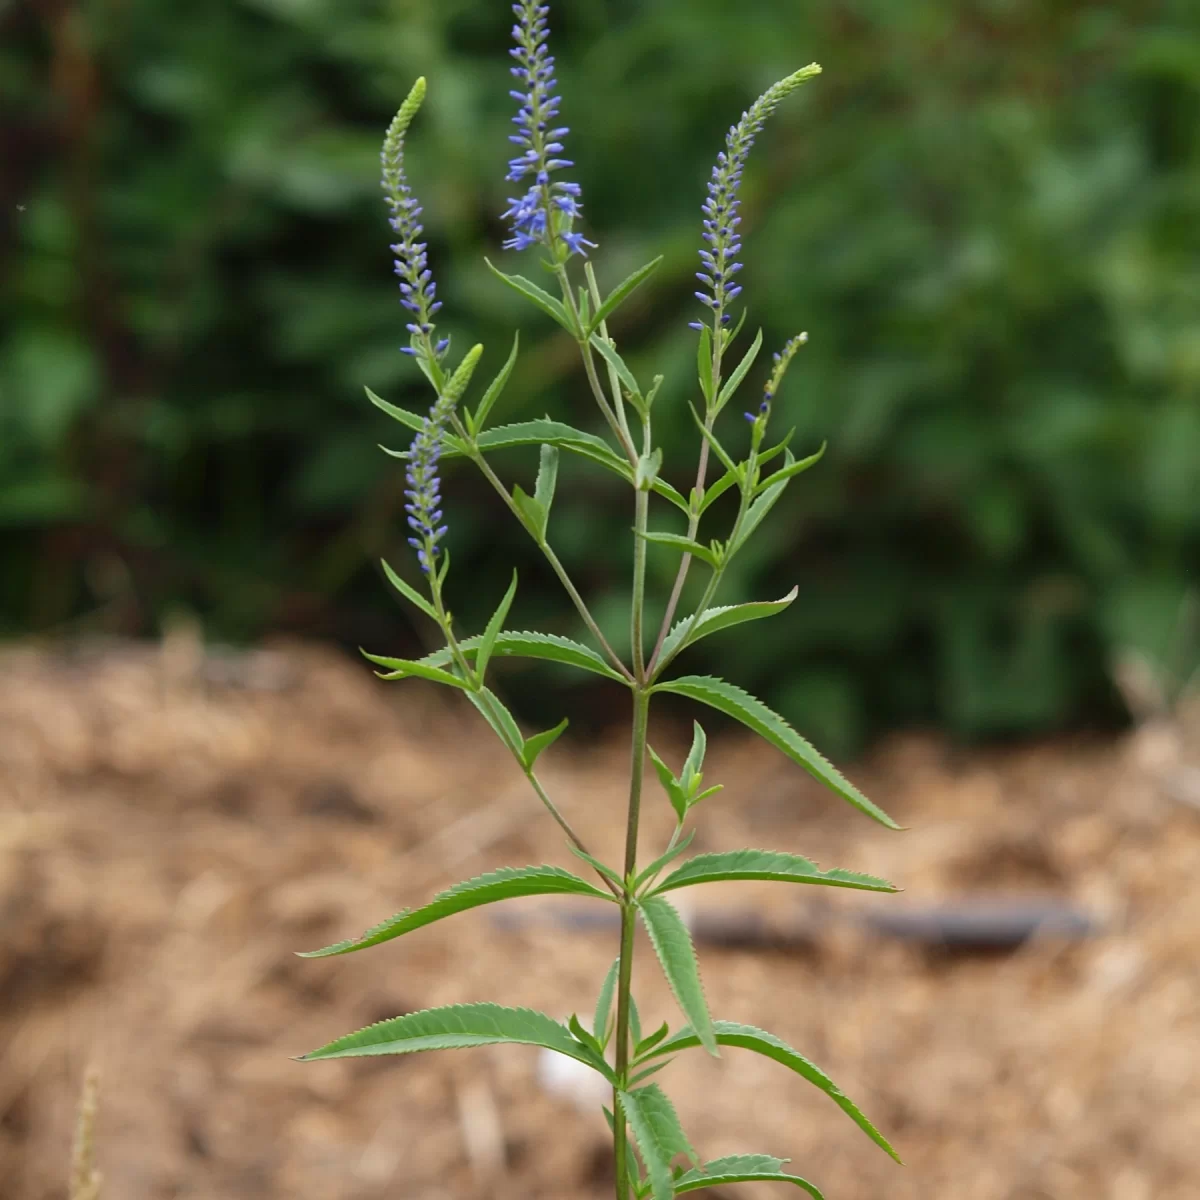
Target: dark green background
[(985, 215)]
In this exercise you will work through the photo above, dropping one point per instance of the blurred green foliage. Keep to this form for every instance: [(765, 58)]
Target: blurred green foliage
[(984, 213)]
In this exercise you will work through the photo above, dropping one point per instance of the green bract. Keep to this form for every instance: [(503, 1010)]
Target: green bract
[(546, 219)]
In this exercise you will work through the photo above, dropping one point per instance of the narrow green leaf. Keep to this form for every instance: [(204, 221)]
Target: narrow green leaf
[(741, 1168), (635, 1021), (658, 1134), (504, 884), (713, 620), (607, 351), (604, 1002), (673, 945), (547, 477), (694, 763), (754, 714), (739, 372), (493, 711), (585, 308), (718, 489), (671, 785), (403, 668), (704, 353), (664, 859), (731, 1033), (408, 592), (603, 868), (492, 632), (458, 1026), (765, 864), (711, 438), (648, 1043), (541, 299), (795, 467), (646, 472), (762, 504), (685, 546), (622, 292), (414, 421), (577, 1029), (650, 1071), (496, 387), (532, 512), (535, 745), (547, 646)]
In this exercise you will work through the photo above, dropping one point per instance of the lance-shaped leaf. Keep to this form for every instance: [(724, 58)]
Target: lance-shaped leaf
[(459, 1026), (604, 1002), (494, 626), (538, 296), (535, 745), (476, 423), (739, 372), (548, 646), (547, 477), (704, 349), (741, 1168), (685, 546), (504, 884), (731, 1033), (673, 945), (764, 864), (408, 592), (658, 1134), (403, 668), (792, 468), (503, 724), (713, 620), (622, 291), (671, 785), (769, 725), (664, 860), (533, 513), (608, 352)]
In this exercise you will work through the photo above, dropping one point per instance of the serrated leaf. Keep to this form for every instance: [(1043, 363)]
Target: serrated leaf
[(494, 712), (673, 945), (459, 1026), (670, 784), (495, 388), (765, 864), (742, 1168), (408, 592), (503, 884), (739, 372), (664, 859), (542, 299), (492, 632), (535, 745), (547, 477), (685, 545), (549, 647), (604, 1002), (622, 291), (414, 421), (713, 620), (403, 668), (658, 1134), (791, 469), (754, 714), (731, 1033)]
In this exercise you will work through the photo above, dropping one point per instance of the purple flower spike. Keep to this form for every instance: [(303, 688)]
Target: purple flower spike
[(723, 243), (543, 216)]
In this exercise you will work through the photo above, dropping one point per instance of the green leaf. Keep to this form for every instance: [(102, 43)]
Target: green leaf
[(547, 477), (458, 1026), (648, 1043), (694, 763), (711, 439), (739, 372), (718, 489), (493, 711), (403, 668), (741, 1168), (414, 421), (635, 1021), (488, 641), (731, 1033), (542, 299), (646, 472), (622, 291), (792, 468), (577, 1029), (548, 646), (673, 945), (759, 507), (671, 785), (495, 388), (504, 884), (704, 351), (769, 725), (684, 545), (663, 859), (535, 745), (408, 592), (607, 351), (765, 864), (532, 513), (713, 620), (604, 1002), (658, 1134), (603, 868)]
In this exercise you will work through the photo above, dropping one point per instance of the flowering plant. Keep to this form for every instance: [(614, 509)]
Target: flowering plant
[(647, 1135)]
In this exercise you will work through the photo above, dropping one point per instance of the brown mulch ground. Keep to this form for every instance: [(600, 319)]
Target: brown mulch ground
[(173, 827)]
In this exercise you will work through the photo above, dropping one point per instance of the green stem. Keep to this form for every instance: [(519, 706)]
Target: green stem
[(641, 716), (637, 610)]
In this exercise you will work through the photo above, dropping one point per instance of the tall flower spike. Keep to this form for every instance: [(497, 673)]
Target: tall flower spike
[(544, 215), (418, 292), (720, 209)]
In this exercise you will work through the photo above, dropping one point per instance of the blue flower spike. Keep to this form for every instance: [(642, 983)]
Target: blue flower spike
[(545, 214)]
